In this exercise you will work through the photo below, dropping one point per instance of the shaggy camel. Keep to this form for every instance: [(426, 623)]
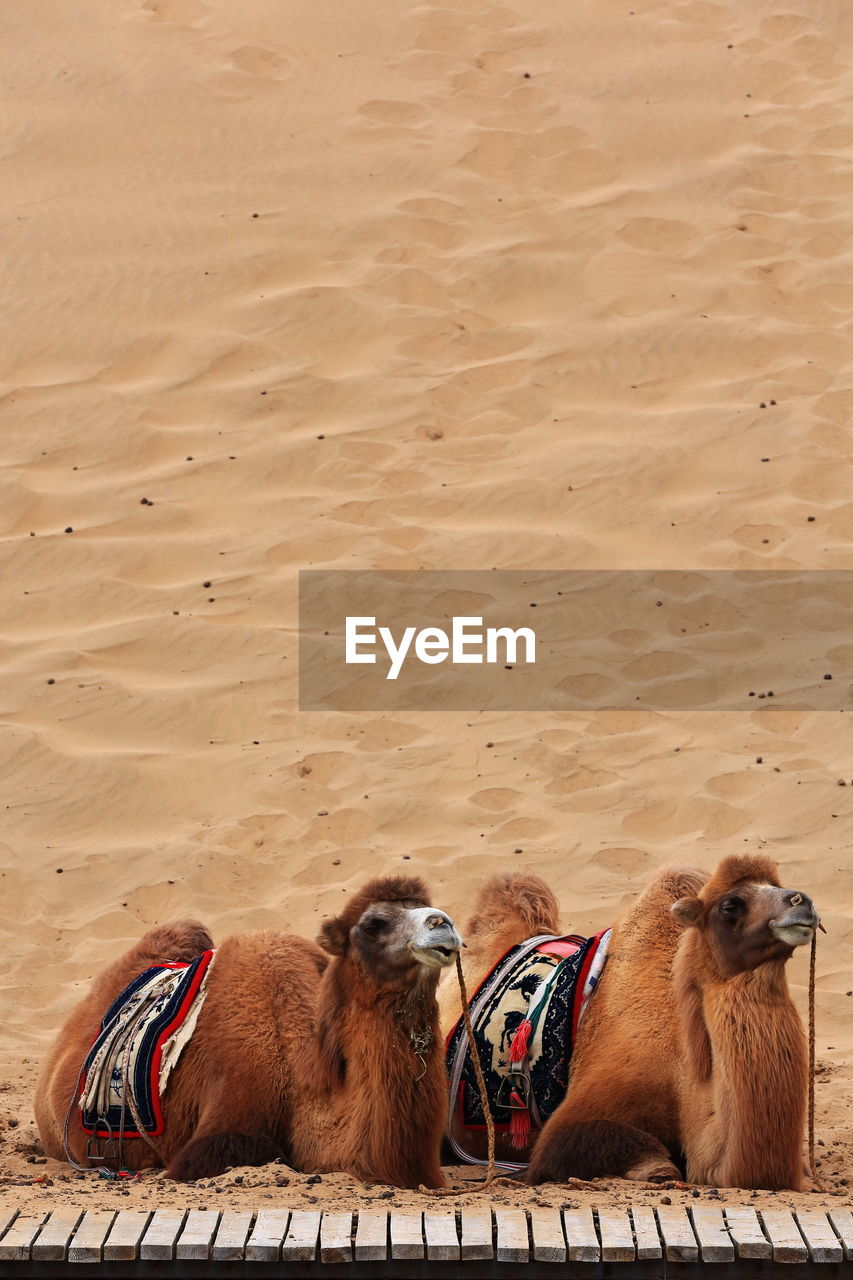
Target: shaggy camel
[(294, 1056), (691, 1048)]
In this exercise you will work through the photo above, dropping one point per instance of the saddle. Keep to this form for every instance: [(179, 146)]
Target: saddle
[(525, 1014), (142, 1036)]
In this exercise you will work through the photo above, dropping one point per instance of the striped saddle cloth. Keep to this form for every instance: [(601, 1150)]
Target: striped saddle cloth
[(525, 1014), (142, 1036)]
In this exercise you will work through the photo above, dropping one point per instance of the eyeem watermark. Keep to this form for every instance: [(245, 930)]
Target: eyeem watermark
[(468, 641), (579, 640)]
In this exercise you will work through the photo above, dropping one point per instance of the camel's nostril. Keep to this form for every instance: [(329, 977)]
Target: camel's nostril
[(796, 899)]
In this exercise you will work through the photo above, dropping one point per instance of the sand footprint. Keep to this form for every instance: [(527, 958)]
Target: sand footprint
[(264, 64)]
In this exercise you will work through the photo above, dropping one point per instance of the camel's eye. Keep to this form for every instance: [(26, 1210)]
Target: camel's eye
[(732, 908), (373, 926)]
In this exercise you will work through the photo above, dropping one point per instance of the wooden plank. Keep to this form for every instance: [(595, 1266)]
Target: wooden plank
[(788, 1244), (715, 1243), (407, 1240), (546, 1230), (747, 1233), (371, 1237), (442, 1238), (7, 1217), (842, 1221), (336, 1237), (264, 1244), (51, 1244), (477, 1241), (231, 1235), (646, 1233), (513, 1238), (15, 1245), (122, 1243), (581, 1238), (617, 1239), (197, 1236), (679, 1242), (159, 1241), (300, 1243), (823, 1244), (87, 1243)]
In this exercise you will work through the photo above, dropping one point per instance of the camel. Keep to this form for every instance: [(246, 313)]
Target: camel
[(691, 1048), (326, 1064)]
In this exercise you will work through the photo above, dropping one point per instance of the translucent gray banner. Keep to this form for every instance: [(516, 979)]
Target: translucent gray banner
[(578, 640)]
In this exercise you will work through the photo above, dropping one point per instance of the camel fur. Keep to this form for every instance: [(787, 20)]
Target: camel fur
[(691, 1049), (325, 1064)]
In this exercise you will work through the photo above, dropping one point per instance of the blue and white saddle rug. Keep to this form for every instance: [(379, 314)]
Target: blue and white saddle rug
[(525, 1014), (142, 1036)]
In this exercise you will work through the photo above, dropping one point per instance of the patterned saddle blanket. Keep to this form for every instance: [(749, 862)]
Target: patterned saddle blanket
[(141, 1039), (525, 1015)]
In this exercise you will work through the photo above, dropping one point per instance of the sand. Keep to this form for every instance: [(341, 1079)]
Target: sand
[(456, 285)]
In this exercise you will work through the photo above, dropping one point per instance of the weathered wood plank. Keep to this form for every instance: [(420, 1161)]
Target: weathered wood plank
[(197, 1236), (17, 1242), (7, 1217), (823, 1244), (264, 1243), (300, 1243), (747, 1233), (122, 1243), (51, 1243), (513, 1238), (336, 1237), (715, 1244), (229, 1244), (617, 1239), (546, 1231), (87, 1243), (646, 1233), (581, 1238), (788, 1244), (442, 1238), (407, 1237), (371, 1237), (679, 1242), (161, 1237), (842, 1221), (477, 1241)]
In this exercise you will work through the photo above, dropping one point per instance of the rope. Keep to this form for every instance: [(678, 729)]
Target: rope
[(491, 1180), (812, 1166)]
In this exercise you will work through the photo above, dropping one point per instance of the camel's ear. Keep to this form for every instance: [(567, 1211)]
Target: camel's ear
[(687, 912), (333, 936)]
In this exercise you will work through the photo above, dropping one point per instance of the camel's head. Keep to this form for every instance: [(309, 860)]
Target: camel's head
[(390, 930), (745, 916)]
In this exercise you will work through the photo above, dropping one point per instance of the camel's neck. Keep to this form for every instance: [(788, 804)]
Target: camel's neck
[(747, 1056), (390, 1089)]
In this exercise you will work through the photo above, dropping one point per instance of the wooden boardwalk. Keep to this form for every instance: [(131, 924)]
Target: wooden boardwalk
[(444, 1242)]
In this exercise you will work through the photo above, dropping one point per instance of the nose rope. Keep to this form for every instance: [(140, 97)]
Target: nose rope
[(490, 1180), (812, 1165)]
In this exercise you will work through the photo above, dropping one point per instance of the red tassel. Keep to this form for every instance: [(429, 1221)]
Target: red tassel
[(520, 1041), (519, 1125)]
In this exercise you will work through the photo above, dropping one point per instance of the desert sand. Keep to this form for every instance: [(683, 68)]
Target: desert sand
[(436, 286)]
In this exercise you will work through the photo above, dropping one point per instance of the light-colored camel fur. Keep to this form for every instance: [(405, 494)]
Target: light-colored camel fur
[(327, 1065), (691, 1049)]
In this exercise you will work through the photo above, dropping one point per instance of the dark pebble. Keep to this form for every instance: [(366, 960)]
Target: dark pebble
[(70, 529), (385, 1195), (313, 1180), (759, 759), (827, 676)]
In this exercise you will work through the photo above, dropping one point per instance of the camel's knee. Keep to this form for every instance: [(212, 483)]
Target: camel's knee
[(208, 1156), (599, 1149)]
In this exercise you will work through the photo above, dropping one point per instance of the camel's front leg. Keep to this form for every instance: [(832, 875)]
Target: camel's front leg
[(598, 1149)]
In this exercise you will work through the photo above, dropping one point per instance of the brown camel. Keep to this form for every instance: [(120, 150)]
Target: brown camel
[(691, 1048), (328, 1065)]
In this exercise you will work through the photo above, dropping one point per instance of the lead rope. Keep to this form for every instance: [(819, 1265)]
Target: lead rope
[(490, 1180), (812, 1165)]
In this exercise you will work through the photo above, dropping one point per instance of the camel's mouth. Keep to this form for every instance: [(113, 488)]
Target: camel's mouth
[(794, 934), (435, 941), (437, 956)]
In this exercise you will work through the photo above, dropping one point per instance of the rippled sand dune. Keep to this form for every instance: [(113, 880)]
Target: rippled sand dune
[(526, 286)]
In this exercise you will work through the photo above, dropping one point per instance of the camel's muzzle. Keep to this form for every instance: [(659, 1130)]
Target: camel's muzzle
[(798, 925), (434, 941)]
